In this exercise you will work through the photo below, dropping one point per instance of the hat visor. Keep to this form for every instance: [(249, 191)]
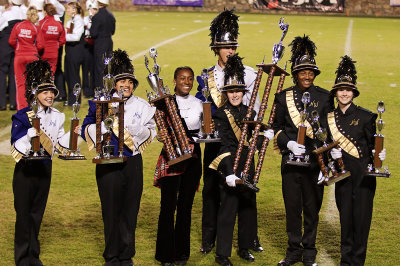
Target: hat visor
[(301, 67), (49, 86), (234, 87), (224, 44), (342, 86)]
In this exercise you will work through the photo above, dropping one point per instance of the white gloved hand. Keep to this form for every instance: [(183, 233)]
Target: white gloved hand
[(269, 134), (230, 180), (336, 153), (103, 128), (31, 133), (382, 155), (134, 129), (321, 178), (296, 148)]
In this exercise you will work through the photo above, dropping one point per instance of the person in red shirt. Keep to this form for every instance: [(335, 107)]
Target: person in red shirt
[(51, 36), (23, 40)]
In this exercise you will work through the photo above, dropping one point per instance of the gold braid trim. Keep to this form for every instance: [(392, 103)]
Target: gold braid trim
[(44, 139), (276, 147), (127, 137), (218, 97), (344, 142), (295, 114), (215, 163), (61, 148), (16, 154), (236, 129), (146, 143), (89, 140)]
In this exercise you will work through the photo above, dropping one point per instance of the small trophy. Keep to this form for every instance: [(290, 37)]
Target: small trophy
[(335, 176), (36, 152), (376, 169), (207, 134), (104, 106), (73, 153), (301, 160)]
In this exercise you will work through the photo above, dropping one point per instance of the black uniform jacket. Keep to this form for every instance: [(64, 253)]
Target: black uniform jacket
[(103, 24), (227, 121), (288, 111), (355, 130)]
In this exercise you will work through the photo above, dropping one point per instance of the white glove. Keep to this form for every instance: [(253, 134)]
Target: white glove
[(321, 178), (31, 133), (381, 155), (336, 153), (230, 180), (103, 128), (269, 134), (134, 129), (296, 148)]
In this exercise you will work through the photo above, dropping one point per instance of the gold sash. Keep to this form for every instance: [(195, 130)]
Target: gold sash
[(218, 97), (215, 163), (295, 114), (44, 139), (344, 142), (127, 137)]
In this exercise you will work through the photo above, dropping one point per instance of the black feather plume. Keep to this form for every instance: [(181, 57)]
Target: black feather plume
[(234, 69), (120, 63), (226, 21), (346, 67), (302, 46), (38, 71)]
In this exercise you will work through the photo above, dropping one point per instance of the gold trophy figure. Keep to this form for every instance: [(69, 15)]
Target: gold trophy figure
[(73, 153), (376, 169)]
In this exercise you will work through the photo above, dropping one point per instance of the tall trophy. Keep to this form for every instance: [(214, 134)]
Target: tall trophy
[(207, 133), (36, 152), (176, 143), (336, 175), (73, 153), (301, 160), (105, 113), (376, 168)]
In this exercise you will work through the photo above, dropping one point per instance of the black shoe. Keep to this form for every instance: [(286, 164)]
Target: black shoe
[(206, 248), (256, 246), (222, 260), (2, 108), (309, 262), (180, 262), (288, 261), (167, 264), (13, 108), (245, 254)]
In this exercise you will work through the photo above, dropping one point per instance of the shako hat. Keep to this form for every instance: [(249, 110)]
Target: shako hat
[(234, 74), (303, 53), (121, 67), (39, 72), (346, 76), (224, 30)]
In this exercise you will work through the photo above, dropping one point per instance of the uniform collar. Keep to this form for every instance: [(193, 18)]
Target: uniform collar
[(218, 67), (349, 110), (182, 97)]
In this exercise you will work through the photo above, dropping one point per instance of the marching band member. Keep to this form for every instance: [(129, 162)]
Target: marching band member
[(178, 186), (23, 40), (224, 31), (31, 183), (354, 127), (234, 200), (301, 193), (74, 48), (120, 185)]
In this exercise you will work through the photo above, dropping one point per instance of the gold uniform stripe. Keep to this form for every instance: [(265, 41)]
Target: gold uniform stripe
[(295, 114), (276, 147), (44, 139), (146, 143), (236, 129), (16, 154), (344, 142), (218, 97), (127, 137), (89, 140), (215, 163)]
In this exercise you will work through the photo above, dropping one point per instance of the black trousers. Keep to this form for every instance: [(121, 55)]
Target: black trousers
[(74, 58), (177, 193), (59, 79), (7, 73), (120, 188), (102, 46), (243, 203), (31, 185), (355, 205), (87, 71), (211, 195), (303, 197)]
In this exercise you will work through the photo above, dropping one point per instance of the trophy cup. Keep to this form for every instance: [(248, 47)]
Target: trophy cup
[(335, 176), (176, 143), (301, 160), (73, 153), (105, 112), (36, 152), (207, 134), (376, 169)]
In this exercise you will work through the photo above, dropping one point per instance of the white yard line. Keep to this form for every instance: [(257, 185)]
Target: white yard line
[(347, 46)]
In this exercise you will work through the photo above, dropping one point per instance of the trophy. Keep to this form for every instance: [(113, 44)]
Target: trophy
[(335, 176), (301, 160), (376, 169), (176, 143), (105, 113), (73, 153), (207, 133), (36, 152)]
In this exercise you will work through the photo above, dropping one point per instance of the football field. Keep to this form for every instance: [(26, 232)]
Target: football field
[(72, 228)]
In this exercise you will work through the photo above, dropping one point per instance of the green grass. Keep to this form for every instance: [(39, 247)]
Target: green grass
[(72, 229)]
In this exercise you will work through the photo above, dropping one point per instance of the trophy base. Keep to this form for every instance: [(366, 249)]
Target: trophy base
[(210, 140), (334, 179), (377, 174), (37, 157), (71, 157), (298, 163), (180, 159), (111, 159), (247, 185)]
